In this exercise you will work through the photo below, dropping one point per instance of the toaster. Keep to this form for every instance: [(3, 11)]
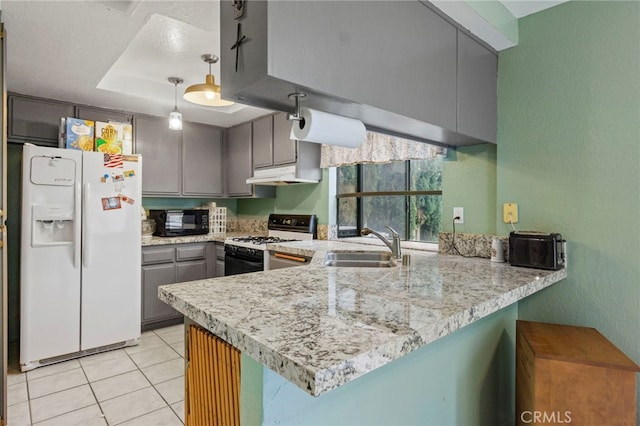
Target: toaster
[(539, 250)]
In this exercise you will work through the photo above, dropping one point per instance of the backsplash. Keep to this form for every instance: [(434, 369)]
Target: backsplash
[(258, 226), (475, 245)]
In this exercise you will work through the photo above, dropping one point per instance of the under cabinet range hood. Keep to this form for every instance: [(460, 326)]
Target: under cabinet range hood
[(287, 175)]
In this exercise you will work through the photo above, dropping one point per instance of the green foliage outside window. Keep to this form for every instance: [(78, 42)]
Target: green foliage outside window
[(415, 216)]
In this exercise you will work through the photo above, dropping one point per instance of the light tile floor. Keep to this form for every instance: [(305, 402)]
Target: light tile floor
[(141, 385)]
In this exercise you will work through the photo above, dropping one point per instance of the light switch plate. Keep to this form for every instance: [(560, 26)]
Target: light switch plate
[(510, 213)]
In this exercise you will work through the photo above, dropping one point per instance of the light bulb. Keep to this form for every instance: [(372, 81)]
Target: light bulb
[(209, 94), (175, 120)]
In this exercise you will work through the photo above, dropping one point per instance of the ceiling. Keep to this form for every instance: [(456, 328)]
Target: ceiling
[(119, 54)]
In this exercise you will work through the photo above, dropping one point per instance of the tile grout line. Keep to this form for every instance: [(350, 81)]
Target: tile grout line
[(88, 382), (152, 385), (102, 415)]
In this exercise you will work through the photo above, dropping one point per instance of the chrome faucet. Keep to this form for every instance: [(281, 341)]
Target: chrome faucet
[(394, 245)]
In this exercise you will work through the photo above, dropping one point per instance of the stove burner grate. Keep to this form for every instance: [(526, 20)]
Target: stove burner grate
[(262, 240)]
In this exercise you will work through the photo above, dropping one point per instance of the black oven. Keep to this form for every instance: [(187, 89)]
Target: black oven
[(240, 260)]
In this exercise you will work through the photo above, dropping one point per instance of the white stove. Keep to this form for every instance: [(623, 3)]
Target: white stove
[(249, 253)]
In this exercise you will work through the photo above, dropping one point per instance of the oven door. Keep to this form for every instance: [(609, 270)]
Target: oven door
[(234, 265)]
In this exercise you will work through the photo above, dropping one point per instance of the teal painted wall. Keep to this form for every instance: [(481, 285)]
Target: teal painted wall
[(469, 181), (465, 378), (294, 199), (569, 154)]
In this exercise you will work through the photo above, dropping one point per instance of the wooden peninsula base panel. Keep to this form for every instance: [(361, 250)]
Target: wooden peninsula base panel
[(572, 375), (212, 380)]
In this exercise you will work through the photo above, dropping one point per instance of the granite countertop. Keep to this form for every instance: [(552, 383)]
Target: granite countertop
[(326, 326)]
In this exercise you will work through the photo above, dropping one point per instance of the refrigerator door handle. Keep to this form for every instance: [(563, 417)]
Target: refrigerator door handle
[(76, 227), (85, 209)]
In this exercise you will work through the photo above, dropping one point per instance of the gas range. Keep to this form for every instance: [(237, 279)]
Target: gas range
[(248, 253)]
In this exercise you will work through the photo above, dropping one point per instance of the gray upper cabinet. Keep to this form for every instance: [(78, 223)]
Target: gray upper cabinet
[(161, 153), (271, 143), (263, 142), (101, 114), (477, 98), (36, 120), (408, 69), (239, 163), (399, 80), (284, 149), (201, 160)]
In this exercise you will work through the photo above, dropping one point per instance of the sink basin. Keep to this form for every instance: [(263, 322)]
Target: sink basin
[(359, 259)]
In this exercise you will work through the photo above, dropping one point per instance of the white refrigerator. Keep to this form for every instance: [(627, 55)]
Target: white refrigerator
[(80, 253)]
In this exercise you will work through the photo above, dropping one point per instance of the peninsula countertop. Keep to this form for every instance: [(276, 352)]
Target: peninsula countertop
[(321, 327)]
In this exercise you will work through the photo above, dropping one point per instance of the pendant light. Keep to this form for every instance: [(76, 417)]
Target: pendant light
[(175, 117), (208, 93)]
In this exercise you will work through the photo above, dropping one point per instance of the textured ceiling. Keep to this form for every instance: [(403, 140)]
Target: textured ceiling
[(119, 54), (89, 53)]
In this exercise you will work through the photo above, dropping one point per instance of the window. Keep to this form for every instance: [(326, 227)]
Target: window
[(406, 195)]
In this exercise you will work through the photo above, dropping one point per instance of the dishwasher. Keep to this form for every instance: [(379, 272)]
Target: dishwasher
[(278, 260)]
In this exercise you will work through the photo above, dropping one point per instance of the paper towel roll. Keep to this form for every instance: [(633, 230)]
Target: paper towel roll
[(330, 129)]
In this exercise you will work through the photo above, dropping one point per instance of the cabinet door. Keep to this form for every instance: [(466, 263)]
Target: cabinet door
[(219, 268), (201, 160), (284, 149), (153, 276), (263, 142), (238, 160), (161, 155), (211, 257), (477, 98), (191, 271), (99, 114), (36, 120)]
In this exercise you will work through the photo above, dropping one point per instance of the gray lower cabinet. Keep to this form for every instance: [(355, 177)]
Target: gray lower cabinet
[(153, 276), (36, 120), (169, 264), (161, 155)]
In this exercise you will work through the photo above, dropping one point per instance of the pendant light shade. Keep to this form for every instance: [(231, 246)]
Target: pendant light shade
[(175, 117), (207, 93)]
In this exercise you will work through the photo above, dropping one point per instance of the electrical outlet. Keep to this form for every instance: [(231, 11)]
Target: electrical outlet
[(458, 212), (510, 213)]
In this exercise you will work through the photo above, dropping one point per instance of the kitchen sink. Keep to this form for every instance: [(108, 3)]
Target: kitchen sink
[(359, 259)]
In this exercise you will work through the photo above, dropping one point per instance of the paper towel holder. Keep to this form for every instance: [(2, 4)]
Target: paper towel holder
[(298, 97)]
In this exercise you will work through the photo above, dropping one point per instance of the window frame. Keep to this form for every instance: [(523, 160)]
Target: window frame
[(360, 194)]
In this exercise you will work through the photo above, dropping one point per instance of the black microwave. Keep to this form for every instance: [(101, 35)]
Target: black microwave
[(536, 250), (176, 223)]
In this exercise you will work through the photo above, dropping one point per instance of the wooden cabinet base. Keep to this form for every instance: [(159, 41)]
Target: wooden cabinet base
[(212, 380), (572, 375)]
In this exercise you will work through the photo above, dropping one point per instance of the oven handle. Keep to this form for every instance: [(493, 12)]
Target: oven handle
[(290, 257)]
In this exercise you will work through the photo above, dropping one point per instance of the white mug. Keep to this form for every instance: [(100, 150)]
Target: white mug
[(497, 255)]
